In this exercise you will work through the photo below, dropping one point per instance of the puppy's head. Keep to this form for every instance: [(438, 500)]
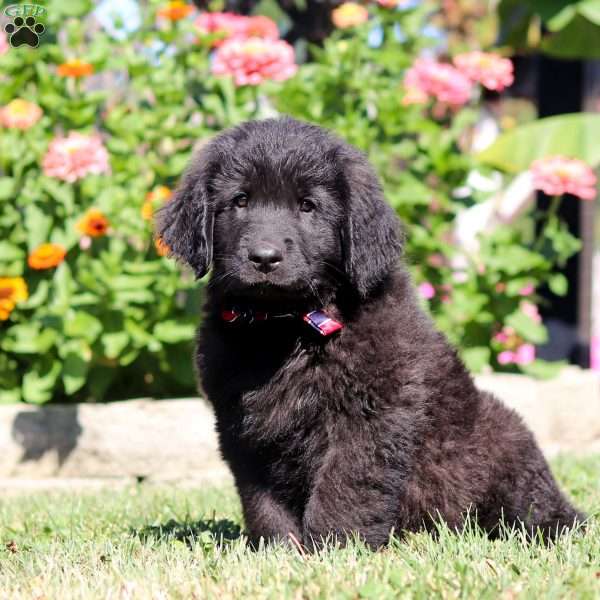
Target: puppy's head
[(285, 212)]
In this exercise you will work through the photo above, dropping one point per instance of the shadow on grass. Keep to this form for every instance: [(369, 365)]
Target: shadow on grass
[(206, 532)]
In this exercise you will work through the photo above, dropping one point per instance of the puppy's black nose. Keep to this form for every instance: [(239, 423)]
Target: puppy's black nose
[(266, 257)]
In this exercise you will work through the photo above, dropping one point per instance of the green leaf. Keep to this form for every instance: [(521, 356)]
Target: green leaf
[(476, 358), (527, 327), (74, 372), (40, 379), (577, 39), (543, 369), (558, 284), (10, 252), (7, 186), (573, 135), (83, 325), (28, 338), (37, 225), (173, 332), (114, 343), (10, 396)]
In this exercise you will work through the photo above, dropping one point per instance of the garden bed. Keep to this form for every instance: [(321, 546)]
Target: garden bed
[(175, 439)]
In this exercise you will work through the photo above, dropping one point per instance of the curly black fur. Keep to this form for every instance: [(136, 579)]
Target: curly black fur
[(374, 429)]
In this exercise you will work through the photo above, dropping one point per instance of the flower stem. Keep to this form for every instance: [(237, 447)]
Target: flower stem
[(550, 216)]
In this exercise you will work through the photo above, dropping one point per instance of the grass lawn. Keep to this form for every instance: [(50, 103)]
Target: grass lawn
[(159, 543)]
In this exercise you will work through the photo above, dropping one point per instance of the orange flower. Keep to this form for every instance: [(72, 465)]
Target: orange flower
[(47, 256), (147, 211), (159, 194), (161, 248), (75, 68), (175, 11), (12, 291), (349, 14), (93, 223)]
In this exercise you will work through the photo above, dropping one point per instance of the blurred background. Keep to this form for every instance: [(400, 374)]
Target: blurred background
[(482, 119)]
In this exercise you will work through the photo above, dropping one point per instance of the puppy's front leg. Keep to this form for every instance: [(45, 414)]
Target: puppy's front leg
[(352, 495), (265, 516)]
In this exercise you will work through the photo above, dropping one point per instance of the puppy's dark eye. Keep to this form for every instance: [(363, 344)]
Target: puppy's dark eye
[(241, 200), (307, 206)]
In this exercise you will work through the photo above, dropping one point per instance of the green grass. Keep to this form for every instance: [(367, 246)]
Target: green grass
[(157, 543)]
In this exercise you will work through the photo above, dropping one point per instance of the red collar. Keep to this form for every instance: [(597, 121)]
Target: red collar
[(317, 319)]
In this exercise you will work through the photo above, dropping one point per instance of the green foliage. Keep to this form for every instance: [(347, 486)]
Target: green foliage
[(571, 28), (115, 318), (573, 135)]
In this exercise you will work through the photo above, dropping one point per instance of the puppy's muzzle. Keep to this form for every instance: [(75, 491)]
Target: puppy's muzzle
[(265, 257)]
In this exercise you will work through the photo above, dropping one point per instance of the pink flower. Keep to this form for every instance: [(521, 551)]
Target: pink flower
[(4, 46), (231, 25), (262, 27), (595, 353), (531, 310), (426, 290), (558, 175), (75, 156), (525, 354), (506, 357), (505, 335), (20, 114), (428, 78), (253, 60), (527, 290), (491, 70)]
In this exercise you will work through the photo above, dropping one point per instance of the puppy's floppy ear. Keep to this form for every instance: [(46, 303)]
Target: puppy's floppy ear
[(372, 236), (185, 223)]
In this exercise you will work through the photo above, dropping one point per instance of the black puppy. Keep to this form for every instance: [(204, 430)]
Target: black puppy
[(340, 409)]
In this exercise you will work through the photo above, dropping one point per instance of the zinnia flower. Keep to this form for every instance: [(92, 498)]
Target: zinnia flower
[(426, 290), (75, 156), (161, 248), (253, 60), (47, 256), (260, 26), (93, 223), (158, 195), (349, 14), (175, 11), (558, 175), (523, 355), (226, 23), (20, 114), (12, 291), (487, 68), (75, 68), (445, 83)]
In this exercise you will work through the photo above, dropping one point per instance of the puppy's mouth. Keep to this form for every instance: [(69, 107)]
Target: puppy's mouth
[(269, 296)]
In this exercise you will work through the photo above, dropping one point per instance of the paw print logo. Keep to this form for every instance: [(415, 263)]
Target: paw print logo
[(24, 31)]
